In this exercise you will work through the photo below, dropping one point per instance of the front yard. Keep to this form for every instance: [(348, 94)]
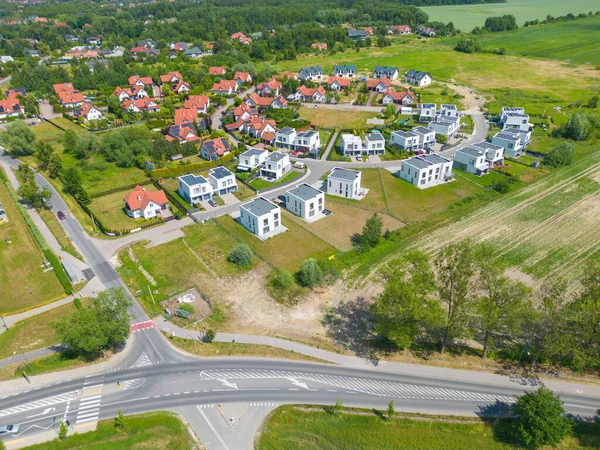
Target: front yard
[(260, 184)]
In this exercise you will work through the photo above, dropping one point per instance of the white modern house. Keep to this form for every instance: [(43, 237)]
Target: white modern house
[(447, 110), (306, 202), (344, 183), (261, 217), (222, 180), (426, 170), (511, 117), (276, 165), (251, 159), (448, 126), (471, 160), (406, 140), (193, 189), (372, 144), (428, 112), (426, 136), (304, 141), (513, 141), (417, 78), (494, 154)]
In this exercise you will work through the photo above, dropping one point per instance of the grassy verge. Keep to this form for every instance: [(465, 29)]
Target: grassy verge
[(291, 427), (46, 364), (156, 430), (54, 226), (259, 183), (198, 348)]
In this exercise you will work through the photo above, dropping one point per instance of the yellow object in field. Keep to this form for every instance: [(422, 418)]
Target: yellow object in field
[(331, 258)]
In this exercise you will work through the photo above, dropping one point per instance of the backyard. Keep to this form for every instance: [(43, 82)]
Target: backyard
[(25, 283), (329, 118), (260, 184)]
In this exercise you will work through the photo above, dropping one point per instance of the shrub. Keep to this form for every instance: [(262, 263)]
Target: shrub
[(210, 335), (241, 255), (282, 280), (310, 274), (77, 303), (187, 307), (501, 186), (562, 155)]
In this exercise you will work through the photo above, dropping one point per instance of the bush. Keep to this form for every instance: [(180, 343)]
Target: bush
[(501, 186), (77, 303), (468, 45), (562, 155), (282, 280), (210, 335), (187, 307), (310, 274), (59, 271), (241, 255)]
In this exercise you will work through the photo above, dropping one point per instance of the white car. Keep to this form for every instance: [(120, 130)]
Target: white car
[(8, 429)]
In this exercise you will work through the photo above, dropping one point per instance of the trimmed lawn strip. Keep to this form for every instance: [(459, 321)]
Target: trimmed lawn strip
[(46, 364), (292, 427), (57, 231), (286, 250), (23, 280), (220, 349), (156, 430), (260, 184)]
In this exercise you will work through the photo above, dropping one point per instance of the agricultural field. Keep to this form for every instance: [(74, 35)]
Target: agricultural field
[(329, 118), (467, 17), (286, 250), (24, 282), (294, 428), (548, 229)]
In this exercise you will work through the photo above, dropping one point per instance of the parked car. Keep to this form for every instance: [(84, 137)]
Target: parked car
[(61, 215), (8, 429), (326, 212), (359, 157), (212, 203)]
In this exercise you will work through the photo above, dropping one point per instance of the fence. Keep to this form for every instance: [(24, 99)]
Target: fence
[(169, 172), (174, 201), (120, 189)]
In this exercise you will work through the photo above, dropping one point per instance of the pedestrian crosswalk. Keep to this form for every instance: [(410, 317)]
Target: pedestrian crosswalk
[(89, 409), (206, 406), (364, 385), (141, 326), (57, 399), (263, 404)]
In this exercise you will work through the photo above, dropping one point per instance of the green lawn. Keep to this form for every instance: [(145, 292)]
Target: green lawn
[(259, 183), (156, 430), (58, 232), (286, 250), (34, 332), (47, 132), (46, 364), (328, 118), (293, 428), (23, 281)]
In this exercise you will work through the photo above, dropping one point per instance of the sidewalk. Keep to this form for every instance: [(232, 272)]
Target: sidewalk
[(387, 366)]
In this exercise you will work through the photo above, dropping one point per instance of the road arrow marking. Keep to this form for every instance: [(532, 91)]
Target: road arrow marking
[(227, 383), (46, 411), (297, 383)]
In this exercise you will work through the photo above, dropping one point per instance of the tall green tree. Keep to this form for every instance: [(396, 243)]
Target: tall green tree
[(455, 271), (310, 274), (578, 127), (371, 233), (18, 138), (539, 419), (72, 181)]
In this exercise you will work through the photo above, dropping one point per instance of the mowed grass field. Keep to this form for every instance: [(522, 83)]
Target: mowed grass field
[(150, 431), (24, 283), (467, 17), (295, 428), (548, 229), (572, 41), (329, 118)]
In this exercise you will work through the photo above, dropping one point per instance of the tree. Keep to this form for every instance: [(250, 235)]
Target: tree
[(578, 127), (593, 102), (72, 181), (468, 45), (311, 273), (406, 308), (337, 408), (501, 303), (371, 232), (241, 255), (561, 155), (43, 154), (539, 419), (120, 421), (455, 269), (19, 139), (104, 323), (83, 197), (54, 165), (390, 111), (391, 411), (62, 431), (114, 105), (70, 140)]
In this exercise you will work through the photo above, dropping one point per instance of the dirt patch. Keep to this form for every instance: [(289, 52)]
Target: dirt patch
[(201, 308), (517, 275)]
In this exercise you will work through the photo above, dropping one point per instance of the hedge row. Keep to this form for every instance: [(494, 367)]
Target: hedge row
[(59, 271), (119, 189), (174, 201), (169, 172)]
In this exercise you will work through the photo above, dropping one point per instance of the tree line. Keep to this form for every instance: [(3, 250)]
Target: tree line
[(463, 294)]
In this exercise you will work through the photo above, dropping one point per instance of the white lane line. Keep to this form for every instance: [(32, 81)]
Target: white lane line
[(213, 428), (580, 406), (96, 406), (93, 386), (88, 415), (90, 399)]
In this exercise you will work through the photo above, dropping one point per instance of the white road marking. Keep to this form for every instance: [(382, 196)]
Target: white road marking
[(213, 429)]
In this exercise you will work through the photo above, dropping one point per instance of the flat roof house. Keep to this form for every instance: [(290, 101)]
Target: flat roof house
[(417, 78), (306, 202), (471, 160), (261, 217), (222, 181), (426, 170), (251, 159), (494, 154), (344, 183), (445, 125), (428, 112), (405, 139), (426, 136), (512, 141), (448, 110), (276, 166), (373, 144), (193, 189), (385, 72), (305, 141), (512, 117)]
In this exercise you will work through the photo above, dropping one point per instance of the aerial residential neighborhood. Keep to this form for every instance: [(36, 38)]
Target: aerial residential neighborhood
[(289, 225)]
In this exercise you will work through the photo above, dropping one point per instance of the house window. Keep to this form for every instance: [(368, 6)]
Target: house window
[(276, 216), (265, 221)]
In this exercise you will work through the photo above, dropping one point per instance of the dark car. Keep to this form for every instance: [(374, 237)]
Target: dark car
[(326, 212), (61, 215), (212, 203)]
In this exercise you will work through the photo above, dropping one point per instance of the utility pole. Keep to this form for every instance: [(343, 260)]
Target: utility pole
[(4, 322)]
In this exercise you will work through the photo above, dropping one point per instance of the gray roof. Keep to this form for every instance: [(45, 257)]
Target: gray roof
[(416, 74), (287, 131), (421, 130), (405, 134), (386, 69), (193, 51), (471, 151), (352, 33), (259, 206), (276, 156), (192, 179), (344, 174), (307, 133), (514, 131), (428, 105), (304, 192), (507, 136), (435, 159), (375, 136), (220, 172), (417, 162), (253, 152), (314, 70), (423, 162), (345, 68), (444, 123), (485, 145), (513, 109), (448, 106), (516, 114)]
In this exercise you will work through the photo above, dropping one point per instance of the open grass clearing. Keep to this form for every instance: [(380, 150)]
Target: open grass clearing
[(260, 184), (293, 427), (47, 132), (34, 332), (58, 232), (286, 250), (68, 125), (328, 118), (23, 280), (110, 210), (150, 431)]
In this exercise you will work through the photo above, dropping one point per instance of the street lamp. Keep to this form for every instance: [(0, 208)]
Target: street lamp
[(4, 322)]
